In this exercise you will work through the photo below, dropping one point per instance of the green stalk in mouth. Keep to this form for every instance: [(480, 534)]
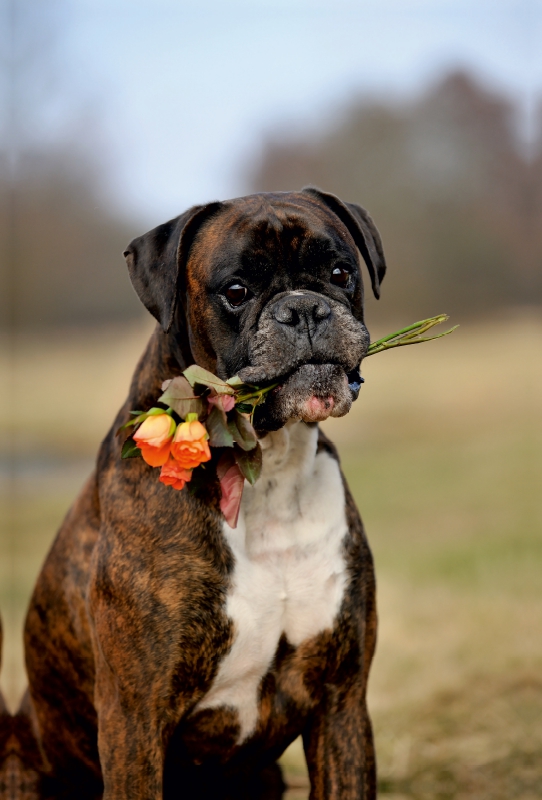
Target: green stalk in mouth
[(410, 335)]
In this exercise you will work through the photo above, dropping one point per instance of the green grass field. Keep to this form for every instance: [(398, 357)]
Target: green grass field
[(443, 454)]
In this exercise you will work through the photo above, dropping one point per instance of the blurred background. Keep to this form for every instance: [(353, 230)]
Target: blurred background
[(120, 115)]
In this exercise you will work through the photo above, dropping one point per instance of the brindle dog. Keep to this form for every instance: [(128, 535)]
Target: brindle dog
[(169, 655)]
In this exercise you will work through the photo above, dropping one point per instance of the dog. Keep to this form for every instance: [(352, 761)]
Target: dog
[(168, 654)]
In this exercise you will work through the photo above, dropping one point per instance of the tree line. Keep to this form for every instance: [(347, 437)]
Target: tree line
[(453, 188)]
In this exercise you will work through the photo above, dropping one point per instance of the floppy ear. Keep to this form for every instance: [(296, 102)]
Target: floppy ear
[(156, 261), (363, 231)]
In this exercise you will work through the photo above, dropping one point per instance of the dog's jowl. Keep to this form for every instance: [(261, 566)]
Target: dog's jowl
[(168, 654)]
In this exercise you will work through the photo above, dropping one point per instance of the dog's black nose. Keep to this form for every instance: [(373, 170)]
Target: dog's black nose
[(302, 308)]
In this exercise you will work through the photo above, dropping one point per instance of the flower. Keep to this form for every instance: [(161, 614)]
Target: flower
[(223, 401), (189, 446), (172, 474), (231, 485), (153, 438)]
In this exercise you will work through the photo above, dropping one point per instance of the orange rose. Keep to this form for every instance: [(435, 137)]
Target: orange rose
[(153, 438), (189, 446), (172, 474)]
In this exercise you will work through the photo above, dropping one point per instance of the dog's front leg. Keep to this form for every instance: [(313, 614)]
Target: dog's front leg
[(130, 740), (131, 695), (339, 747)]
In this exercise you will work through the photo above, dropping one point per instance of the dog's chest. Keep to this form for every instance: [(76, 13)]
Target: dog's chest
[(289, 574)]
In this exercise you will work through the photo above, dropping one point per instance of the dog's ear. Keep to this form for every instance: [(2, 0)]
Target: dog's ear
[(156, 261), (363, 230)]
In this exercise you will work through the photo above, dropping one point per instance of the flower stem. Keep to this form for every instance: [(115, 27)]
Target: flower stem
[(410, 335)]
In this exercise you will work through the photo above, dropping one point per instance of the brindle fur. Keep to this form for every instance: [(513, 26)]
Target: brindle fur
[(126, 627)]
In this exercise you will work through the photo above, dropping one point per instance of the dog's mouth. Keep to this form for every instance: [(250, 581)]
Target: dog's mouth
[(322, 404), (311, 392)]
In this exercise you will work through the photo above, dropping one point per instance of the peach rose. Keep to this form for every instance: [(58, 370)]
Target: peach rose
[(153, 438), (189, 446), (172, 474)]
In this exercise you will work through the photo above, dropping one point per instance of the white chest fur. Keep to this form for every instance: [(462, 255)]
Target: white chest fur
[(289, 572)]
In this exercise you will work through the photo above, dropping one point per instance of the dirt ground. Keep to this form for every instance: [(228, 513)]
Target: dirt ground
[(443, 453)]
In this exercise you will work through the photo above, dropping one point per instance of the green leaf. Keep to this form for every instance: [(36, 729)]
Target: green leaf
[(242, 431), (140, 418), (197, 375), (179, 395), (218, 430), (244, 408), (130, 449), (250, 463), (200, 481), (235, 382)]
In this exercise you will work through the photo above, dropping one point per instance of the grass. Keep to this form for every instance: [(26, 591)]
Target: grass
[(442, 451)]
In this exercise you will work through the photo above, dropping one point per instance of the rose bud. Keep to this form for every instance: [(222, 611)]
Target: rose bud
[(172, 474), (223, 401), (189, 446), (153, 438)]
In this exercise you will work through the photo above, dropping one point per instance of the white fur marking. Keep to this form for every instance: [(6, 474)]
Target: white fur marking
[(289, 575)]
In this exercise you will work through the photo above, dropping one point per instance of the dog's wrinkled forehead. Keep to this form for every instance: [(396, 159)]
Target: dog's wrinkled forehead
[(310, 223), (277, 242)]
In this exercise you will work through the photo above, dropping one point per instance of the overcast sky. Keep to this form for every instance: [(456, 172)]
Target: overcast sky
[(180, 93)]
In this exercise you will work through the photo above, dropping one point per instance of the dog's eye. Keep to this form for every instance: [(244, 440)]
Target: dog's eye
[(236, 294), (340, 276)]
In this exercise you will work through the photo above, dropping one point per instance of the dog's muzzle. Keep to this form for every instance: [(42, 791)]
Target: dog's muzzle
[(311, 345)]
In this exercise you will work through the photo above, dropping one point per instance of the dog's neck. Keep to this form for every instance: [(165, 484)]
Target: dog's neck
[(271, 510), (163, 358), (291, 447)]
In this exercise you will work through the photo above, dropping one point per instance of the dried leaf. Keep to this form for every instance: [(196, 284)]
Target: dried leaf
[(231, 485), (243, 432), (179, 395), (250, 463), (217, 428), (198, 375)]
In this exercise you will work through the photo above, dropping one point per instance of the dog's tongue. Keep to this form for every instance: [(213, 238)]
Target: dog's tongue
[(316, 409)]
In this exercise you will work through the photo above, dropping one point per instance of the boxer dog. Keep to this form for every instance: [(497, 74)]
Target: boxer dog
[(168, 654)]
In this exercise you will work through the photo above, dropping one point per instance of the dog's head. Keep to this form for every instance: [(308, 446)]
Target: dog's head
[(268, 287)]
